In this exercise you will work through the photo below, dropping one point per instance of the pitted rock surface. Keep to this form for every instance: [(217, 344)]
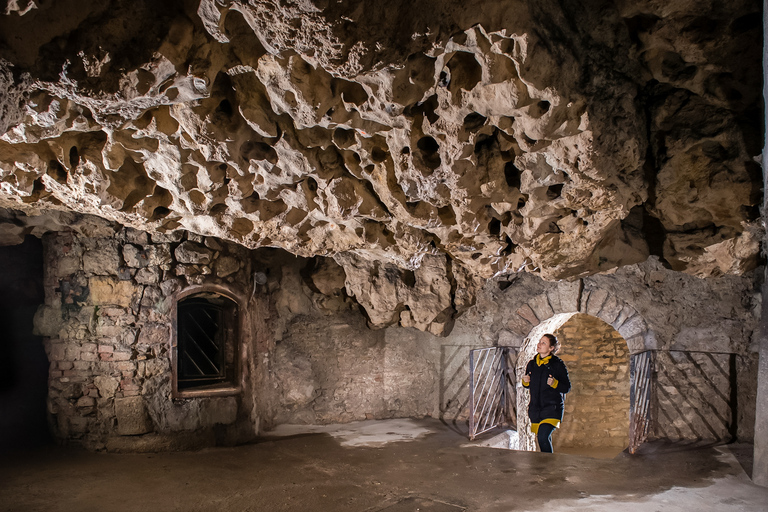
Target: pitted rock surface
[(426, 146)]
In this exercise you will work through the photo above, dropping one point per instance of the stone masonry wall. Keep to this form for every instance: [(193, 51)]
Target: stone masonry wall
[(107, 324), (597, 408), (311, 358)]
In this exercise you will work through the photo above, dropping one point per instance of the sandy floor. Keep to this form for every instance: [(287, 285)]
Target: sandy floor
[(397, 466)]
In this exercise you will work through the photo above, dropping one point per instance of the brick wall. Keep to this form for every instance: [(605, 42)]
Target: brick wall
[(597, 408)]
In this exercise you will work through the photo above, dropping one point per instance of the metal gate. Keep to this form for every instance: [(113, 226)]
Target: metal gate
[(491, 392), (640, 377)]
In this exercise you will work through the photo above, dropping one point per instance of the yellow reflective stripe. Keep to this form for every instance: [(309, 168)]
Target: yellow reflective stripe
[(551, 421), (534, 428)]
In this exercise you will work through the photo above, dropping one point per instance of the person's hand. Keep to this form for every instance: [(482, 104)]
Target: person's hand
[(527, 378), (550, 380)]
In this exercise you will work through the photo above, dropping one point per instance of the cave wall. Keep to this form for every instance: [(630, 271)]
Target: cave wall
[(700, 333), (311, 357)]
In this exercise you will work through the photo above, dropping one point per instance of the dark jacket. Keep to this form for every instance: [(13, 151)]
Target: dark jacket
[(546, 401)]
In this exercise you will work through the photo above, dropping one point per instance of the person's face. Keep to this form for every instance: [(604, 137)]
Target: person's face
[(544, 348)]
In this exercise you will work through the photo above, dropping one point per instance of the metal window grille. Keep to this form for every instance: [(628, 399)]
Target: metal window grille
[(204, 334)]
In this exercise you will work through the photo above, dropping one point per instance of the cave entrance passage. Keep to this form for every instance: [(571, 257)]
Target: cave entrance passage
[(608, 406), (492, 389)]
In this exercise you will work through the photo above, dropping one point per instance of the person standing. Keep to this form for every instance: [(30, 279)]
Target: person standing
[(546, 377)]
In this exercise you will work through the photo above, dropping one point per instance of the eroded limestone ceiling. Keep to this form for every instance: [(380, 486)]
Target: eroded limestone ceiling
[(425, 145)]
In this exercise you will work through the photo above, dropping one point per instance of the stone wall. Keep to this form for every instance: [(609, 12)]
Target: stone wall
[(309, 356), (597, 408), (108, 328)]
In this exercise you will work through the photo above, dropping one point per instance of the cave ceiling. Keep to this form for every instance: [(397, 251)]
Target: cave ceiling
[(426, 146)]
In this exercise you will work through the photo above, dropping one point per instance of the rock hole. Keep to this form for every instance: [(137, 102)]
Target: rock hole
[(494, 227), (57, 172), (429, 152), (311, 184), (426, 108), (218, 209), (543, 107), (159, 213), (343, 138), (484, 143), (466, 72), (259, 151), (351, 92), (409, 278), (378, 155), (225, 108), (507, 250), (474, 121), (428, 145), (74, 157), (443, 80), (512, 175), (520, 203), (476, 255), (447, 215), (406, 150), (554, 191)]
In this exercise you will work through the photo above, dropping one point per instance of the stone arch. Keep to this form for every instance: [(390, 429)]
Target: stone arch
[(548, 311)]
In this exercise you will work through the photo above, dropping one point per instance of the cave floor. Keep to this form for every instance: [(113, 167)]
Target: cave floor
[(395, 466)]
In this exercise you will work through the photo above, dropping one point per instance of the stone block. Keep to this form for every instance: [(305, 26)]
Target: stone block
[(610, 310), (103, 260), (218, 411), (226, 265), (553, 296), (136, 237), (193, 254), (173, 236), (569, 295), (111, 291), (135, 257), (633, 327), (107, 386), (528, 314), (148, 275), (159, 255), (132, 417), (519, 325), (47, 321), (596, 301), (541, 307)]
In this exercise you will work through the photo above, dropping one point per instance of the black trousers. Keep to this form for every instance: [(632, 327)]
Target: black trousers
[(544, 437)]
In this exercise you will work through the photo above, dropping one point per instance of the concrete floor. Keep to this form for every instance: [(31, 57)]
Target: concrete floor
[(397, 466)]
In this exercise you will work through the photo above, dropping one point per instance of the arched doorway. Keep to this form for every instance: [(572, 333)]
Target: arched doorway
[(597, 410)]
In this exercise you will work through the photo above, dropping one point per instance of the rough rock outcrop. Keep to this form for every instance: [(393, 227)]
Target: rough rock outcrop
[(456, 140)]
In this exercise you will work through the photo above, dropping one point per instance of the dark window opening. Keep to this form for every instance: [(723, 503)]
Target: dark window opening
[(206, 342)]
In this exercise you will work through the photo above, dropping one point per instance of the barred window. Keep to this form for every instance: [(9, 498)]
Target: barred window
[(206, 344)]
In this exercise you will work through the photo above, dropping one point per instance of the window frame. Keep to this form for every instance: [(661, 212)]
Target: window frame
[(229, 388)]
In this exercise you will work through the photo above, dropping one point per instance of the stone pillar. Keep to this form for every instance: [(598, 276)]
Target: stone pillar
[(760, 468)]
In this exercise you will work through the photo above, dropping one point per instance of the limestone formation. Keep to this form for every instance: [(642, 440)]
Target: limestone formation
[(426, 146)]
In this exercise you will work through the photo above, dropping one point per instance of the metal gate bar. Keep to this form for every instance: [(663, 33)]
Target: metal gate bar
[(488, 392), (640, 371)]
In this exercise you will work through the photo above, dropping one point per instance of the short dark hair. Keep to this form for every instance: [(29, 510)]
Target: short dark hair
[(553, 342)]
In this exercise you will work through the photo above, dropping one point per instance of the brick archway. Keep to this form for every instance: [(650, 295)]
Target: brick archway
[(549, 311)]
